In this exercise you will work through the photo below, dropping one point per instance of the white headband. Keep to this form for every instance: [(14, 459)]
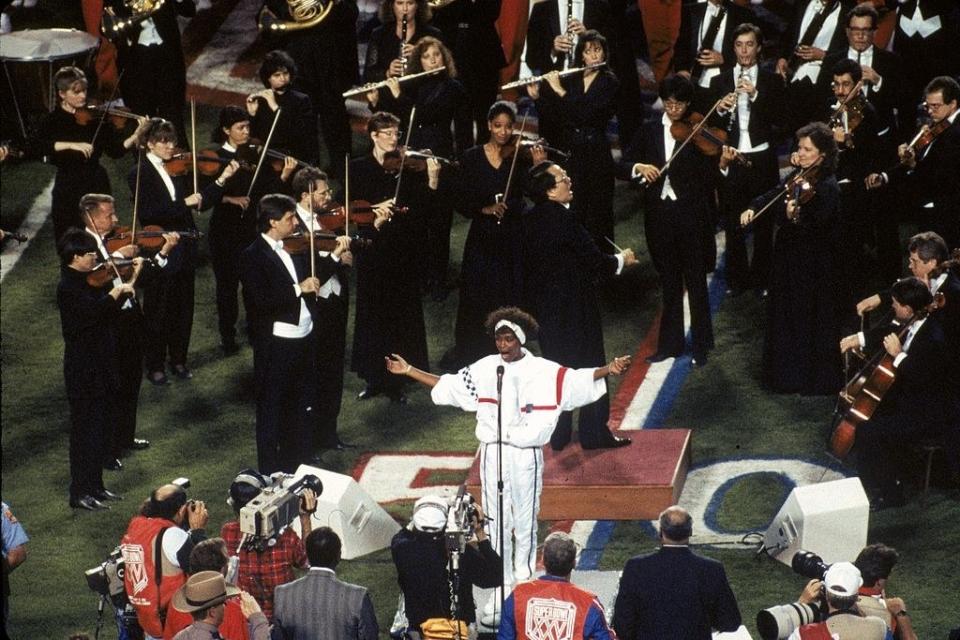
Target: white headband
[(521, 336)]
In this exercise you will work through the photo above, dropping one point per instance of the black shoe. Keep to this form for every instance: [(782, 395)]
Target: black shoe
[(660, 357), (157, 378), (339, 445), (612, 442), (87, 502), (138, 444), (699, 360), (112, 464), (369, 392), (105, 494), (182, 372), (229, 347)]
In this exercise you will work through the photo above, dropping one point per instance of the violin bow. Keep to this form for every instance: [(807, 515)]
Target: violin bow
[(136, 198), (802, 173), (193, 143), (693, 133), (346, 194), (103, 116), (406, 143), (513, 163), (96, 230), (263, 152)]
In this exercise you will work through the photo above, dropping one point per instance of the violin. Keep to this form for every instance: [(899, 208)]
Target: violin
[(150, 238), (708, 140), (249, 154), (527, 143), (926, 136), (209, 163), (13, 235), (299, 242), (332, 217), (412, 159), (860, 397), (853, 106), (103, 274), (118, 117)]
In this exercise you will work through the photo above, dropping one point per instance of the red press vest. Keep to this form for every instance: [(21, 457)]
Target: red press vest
[(548, 609), (139, 576), (815, 631)]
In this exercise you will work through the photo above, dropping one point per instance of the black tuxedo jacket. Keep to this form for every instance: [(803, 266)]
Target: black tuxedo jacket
[(793, 34), (892, 93), (674, 593), (268, 292), (469, 29), (691, 25), (544, 26), (934, 179), (766, 112)]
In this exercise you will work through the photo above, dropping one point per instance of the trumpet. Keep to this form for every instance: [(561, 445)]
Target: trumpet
[(371, 86), (522, 82)]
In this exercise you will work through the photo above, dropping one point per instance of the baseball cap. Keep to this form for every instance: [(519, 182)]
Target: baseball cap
[(842, 579)]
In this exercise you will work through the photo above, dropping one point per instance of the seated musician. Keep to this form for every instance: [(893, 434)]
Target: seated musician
[(920, 402)]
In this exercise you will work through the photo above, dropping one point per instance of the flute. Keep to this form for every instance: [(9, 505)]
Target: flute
[(522, 82), (356, 91)]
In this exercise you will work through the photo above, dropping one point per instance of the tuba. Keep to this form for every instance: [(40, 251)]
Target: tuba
[(305, 14), (113, 26)]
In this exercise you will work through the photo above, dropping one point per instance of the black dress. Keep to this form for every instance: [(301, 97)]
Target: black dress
[(76, 175), (801, 348), (389, 315), (384, 48), (296, 130), (490, 272), (582, 118)]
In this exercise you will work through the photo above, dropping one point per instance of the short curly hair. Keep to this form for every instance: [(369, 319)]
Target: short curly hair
[(515, 315)]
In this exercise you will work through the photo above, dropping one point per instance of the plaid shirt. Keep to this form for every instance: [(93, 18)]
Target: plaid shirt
[(260, 573)]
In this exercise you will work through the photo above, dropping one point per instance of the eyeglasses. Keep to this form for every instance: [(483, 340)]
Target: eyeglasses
[(562, 179), (933, 106), (674, 105)]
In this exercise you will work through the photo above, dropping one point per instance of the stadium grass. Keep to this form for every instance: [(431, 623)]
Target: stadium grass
[(204, 429)]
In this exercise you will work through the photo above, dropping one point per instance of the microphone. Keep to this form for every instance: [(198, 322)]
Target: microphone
[(499, 378)]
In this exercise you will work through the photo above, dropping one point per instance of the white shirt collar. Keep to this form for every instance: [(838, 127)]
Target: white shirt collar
[(229, 147), (666, 121), (276, 245), (154, 158)]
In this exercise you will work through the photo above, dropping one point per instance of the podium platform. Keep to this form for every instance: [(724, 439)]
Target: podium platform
[(629, 483)]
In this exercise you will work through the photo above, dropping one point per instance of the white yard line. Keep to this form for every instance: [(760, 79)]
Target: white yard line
[(39, 211)]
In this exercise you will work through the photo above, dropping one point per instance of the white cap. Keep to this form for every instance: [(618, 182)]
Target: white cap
[(430, 514), (842, 579)]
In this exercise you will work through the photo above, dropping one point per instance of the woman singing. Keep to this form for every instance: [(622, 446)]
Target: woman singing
[(800, 349)]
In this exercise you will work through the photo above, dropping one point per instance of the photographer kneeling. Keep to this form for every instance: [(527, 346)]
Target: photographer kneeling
[(840, 588), (425, 568), (264, 564), (156, 552)]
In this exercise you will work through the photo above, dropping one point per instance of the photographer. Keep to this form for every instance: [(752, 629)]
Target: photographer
[(876, 562), (265, 564), (423, 565), (151, 579), (839, 588)]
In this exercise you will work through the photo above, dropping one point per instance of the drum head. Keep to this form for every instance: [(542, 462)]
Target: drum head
[(45, 44)]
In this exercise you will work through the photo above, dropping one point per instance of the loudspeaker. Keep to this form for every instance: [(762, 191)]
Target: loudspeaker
[(362, 524), (829, 519)]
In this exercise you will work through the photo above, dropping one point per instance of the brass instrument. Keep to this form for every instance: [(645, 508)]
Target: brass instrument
[(370, 86), (113, 26), (305, 14), (522, 82), (439, 4)]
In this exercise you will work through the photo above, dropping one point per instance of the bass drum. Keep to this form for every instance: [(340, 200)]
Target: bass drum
[(30, 59)]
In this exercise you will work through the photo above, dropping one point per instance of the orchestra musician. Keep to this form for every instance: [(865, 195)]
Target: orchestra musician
[(675, 210), (443, 125), (76, 148), (167, 201), (279, 292), (582, 105), (751, 110), (296, 129), (402, 24), (802, 332), (389, 313), (562, 268), (921, 402), (704, 47), (330, 312), (930, 174), (88, 317), (490, 271)]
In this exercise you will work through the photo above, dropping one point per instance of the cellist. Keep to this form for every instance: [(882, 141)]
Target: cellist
[(921, 402)]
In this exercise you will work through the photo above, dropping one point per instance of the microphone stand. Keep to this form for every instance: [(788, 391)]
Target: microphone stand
[(503, 559)]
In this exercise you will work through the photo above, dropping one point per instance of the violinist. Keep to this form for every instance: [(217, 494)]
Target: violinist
[(330, 314), (88, 317), (278, 293), (389, 314), (920, 403), (441, 104), (490, 271), (675, 214), (76, 148), (167, 201), (751, 111), (233, 223), (802, 331), (98, 214), (296, 130), (402, 24), (581, 106), (930, 165)]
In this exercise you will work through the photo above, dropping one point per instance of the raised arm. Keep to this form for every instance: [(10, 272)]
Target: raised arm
[(398, 366)]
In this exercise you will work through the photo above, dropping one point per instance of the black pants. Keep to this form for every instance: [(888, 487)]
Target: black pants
[(88, 422), (225, 249), (740, 187), (168, 309), (330, 329), (440, 218), (286, 391), (123, 427)]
